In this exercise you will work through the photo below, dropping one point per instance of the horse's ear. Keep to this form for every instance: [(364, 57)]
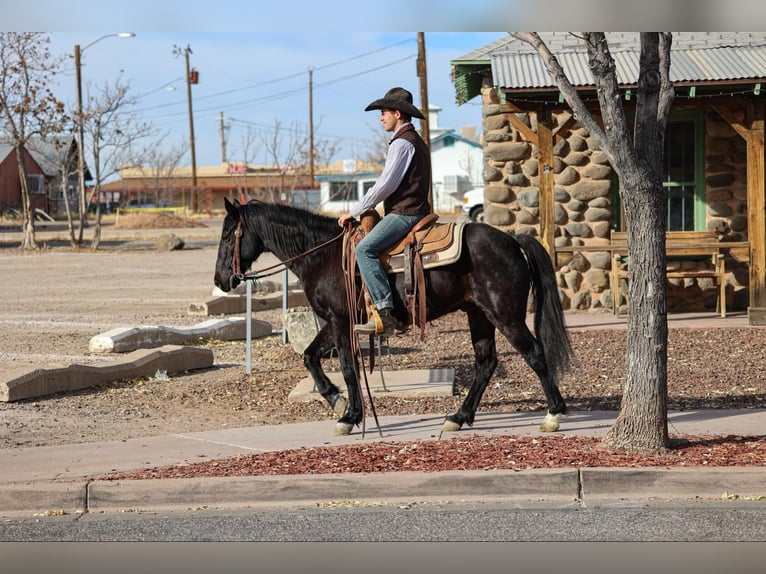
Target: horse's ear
[(231, 208)]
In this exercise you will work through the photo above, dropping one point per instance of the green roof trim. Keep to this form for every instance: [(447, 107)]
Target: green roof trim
[(467, 78)]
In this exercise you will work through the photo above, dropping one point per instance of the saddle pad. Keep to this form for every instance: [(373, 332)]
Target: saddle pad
[(442, 245)]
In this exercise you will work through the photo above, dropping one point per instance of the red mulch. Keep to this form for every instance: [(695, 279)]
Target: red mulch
[(470, 453)]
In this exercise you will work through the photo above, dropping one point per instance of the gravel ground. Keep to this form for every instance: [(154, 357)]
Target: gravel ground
[(55, 300)]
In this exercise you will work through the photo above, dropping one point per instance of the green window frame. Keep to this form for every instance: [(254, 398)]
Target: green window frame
[(684, 174)]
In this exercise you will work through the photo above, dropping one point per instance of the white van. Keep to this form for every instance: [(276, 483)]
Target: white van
[(473, 204)]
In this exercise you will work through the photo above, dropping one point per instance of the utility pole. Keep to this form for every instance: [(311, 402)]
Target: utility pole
[(311, 124), (222, 129), (424, 126), (192, 77)]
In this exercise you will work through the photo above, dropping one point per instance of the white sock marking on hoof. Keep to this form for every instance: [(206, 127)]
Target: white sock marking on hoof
[(450, 426), (550, 423), (343, 428)]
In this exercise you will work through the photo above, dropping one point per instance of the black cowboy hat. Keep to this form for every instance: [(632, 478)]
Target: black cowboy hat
[(396, 99)]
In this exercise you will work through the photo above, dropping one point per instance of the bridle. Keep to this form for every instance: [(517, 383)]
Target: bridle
[(236, 265)]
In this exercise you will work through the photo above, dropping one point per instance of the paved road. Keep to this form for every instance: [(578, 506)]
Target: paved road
[(690, 521)]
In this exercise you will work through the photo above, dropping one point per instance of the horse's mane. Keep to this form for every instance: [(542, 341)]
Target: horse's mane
[(292, 228)]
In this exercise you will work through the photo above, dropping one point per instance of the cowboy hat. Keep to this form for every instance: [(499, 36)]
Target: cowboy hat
[(396, 99)]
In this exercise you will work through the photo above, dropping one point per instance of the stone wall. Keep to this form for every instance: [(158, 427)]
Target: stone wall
[(583, 182)]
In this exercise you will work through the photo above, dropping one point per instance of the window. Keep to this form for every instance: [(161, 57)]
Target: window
[(343, 191), (35, 183), (683, 173)]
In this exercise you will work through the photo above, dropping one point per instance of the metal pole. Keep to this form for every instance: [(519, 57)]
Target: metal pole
[(285, 287), (248, 326)]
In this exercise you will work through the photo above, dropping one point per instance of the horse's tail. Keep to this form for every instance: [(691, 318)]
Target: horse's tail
[(549, 314)]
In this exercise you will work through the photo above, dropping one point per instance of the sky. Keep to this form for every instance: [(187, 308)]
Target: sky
[(255, 79), (253, 57)]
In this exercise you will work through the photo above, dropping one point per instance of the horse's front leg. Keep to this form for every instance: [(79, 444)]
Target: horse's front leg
[(312, 359)]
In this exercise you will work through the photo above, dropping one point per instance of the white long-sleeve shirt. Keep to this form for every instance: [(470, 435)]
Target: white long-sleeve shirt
[(398, 159)]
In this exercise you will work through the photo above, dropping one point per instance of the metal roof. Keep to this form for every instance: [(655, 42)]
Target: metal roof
[(696, 57), (518, 71)]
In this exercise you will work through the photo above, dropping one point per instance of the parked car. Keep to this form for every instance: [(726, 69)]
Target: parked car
[(473, 204)]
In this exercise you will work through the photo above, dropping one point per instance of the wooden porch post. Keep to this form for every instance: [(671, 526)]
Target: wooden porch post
[(756, 213), (751, 128), (545, 178), (544, 139)]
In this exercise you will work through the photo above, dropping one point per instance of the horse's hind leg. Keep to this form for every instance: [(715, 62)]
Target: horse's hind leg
[(312, 359), (485, 351), (530, 348)]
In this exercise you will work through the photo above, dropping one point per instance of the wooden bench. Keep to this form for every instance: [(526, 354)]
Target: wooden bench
[(679, 245)]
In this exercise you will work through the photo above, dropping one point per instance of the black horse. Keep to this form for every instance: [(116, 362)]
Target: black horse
[(491, 282)]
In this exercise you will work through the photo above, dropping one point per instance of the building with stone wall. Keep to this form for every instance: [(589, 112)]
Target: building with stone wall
[(713, 126)]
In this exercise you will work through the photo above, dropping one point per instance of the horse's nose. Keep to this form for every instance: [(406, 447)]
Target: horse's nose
[(220, 283)]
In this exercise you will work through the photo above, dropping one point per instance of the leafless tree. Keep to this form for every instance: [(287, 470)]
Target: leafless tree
[(249, 148), (283, 147), (377, 146), (636, 156), (111, 130), (159, 163), (27, 105)]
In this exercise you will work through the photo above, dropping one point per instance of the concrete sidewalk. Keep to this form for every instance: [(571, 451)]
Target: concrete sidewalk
[(54, 479)]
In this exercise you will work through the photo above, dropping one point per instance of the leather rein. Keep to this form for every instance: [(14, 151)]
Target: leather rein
[(236, 265)]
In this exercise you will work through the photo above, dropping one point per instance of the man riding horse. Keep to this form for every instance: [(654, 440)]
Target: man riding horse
[(404, 188)]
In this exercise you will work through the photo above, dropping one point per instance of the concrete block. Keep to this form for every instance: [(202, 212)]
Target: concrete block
[(237, 304), (27, 383), (302, 326), (126, 339)]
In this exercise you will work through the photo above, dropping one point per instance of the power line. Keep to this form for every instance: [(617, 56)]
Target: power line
[(280, 95), (285, 78)]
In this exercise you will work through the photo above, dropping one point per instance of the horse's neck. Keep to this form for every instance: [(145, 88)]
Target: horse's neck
[(292, 243)]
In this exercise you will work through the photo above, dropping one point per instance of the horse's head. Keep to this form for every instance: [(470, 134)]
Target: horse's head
[(235, 255)]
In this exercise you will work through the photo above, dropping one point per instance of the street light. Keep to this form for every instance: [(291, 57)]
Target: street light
[(80, 130)]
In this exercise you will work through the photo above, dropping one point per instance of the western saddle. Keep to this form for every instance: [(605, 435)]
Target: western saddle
[(428, 244)]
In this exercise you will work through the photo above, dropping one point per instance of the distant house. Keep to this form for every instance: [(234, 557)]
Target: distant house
[(456, 163), (44, 161), (545, 176)]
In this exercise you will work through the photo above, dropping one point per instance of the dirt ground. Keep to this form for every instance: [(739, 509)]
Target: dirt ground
[(56, 299)]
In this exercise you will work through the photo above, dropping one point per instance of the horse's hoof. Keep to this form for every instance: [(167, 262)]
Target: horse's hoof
[(550, 423), (343, 429), (451, 426), (340, 406)]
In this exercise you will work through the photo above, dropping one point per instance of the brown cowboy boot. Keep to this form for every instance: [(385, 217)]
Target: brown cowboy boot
[(381, 322)]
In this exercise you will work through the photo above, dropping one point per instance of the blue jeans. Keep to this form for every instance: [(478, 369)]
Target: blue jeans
[(388, 231)]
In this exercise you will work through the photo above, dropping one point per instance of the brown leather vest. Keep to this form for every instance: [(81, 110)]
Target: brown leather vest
[(411, 197)]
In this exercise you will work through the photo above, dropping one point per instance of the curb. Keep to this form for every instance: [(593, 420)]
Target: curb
[(534, 486)]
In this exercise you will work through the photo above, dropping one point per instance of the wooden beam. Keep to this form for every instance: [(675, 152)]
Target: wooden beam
[(562, 131), (727, 114), (527, 132)]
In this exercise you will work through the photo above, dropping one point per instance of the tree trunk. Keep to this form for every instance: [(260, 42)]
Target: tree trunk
[(641, 425), (28, 215)]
